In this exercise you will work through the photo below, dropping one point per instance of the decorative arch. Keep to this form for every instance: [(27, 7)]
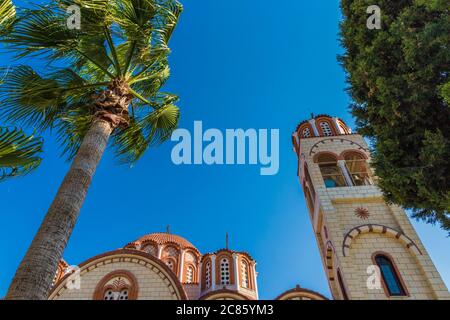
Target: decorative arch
[(219, 257), (306, 131), (329, 121), (300, 294), (131, 245), (125, 255), (325, 153), (117, 281), (150, 247), (224, 294), (350, 151), (350, 143), (380, 229), (343, 126), (330, 169)]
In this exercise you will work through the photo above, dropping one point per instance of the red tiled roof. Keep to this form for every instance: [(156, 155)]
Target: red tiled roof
[(162, 238)]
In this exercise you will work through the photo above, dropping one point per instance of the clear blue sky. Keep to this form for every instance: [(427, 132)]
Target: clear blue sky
[(235, 64)]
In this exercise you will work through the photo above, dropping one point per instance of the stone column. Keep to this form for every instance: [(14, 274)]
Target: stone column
[(181, 265), (213, 272), (348, 179)]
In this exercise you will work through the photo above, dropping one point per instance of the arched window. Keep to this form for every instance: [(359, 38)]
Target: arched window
[(190, 274), (357, 169), (326, 129), (306, 133), (150, 248), (341, 285), (224, 272), (110, 294), (117, 285), (331, 172), (389, 275), (244, 274), (208, 275)]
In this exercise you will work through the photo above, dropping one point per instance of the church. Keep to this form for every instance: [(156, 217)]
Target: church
[(369, 248)]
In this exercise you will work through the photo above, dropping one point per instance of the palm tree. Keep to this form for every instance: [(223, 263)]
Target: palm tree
[(18, 153), (107, 92)]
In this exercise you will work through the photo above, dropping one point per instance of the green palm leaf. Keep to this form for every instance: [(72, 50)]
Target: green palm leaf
[(7, 15), (18, 153)]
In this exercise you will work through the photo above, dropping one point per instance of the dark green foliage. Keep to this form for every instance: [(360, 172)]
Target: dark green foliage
[(399, 82)]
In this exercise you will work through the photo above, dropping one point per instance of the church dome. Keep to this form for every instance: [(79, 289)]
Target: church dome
[(162, 238)]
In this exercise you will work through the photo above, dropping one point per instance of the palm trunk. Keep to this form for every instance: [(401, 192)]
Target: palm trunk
[(34, 277)]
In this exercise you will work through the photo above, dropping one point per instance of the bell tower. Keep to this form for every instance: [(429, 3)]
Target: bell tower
[(369, 248)]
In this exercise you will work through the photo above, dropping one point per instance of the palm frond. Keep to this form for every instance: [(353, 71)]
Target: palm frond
[(129, 143), (42, 30), (19, 153), (159, 124), (71, 130), (156, 127), (150, 82), (29, 99), (134, 17), (7, 15), (170, 12), (94, 14), (32, 100)]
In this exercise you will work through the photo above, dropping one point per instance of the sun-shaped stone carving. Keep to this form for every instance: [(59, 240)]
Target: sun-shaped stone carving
[(362, 213)]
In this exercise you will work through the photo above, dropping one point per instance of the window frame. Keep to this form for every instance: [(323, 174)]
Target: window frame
[(102, 286), (334, 163), (367, 174), (208, 275), (222, 277), (330, 123), (245, 271), (302, 128), (192, 274), (397, 276)]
